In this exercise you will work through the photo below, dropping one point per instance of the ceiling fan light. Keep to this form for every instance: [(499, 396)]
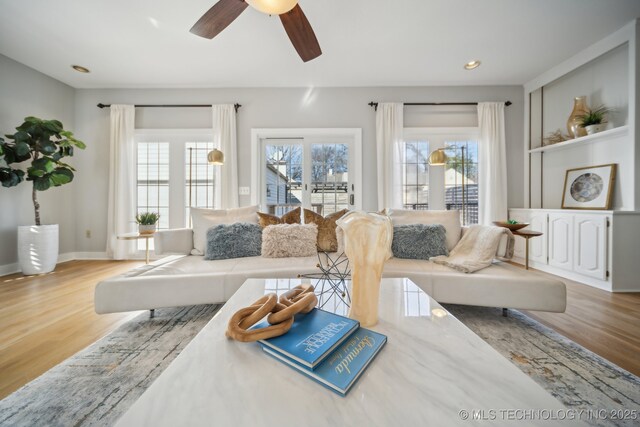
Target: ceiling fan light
[(273, 7), (215, 157)]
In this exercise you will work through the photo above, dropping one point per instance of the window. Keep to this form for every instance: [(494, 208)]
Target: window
[(173, 174), (315, 169), (452, 186)]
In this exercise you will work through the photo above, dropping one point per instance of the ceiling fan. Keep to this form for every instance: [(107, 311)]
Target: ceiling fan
[(293, 19)]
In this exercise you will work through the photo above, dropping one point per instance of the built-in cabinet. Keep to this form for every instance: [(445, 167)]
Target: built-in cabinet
[(581, 245)]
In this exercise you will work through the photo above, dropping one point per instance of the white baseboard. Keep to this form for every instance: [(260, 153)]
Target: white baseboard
[(69, 256)]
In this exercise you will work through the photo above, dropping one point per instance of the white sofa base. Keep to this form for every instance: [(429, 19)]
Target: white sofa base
[(188, 280)]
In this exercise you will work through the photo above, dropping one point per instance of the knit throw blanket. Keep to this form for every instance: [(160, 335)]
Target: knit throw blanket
[(476, 249)]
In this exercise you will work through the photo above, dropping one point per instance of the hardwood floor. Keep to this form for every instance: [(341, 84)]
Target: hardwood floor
[(46, 319), (606, 323)]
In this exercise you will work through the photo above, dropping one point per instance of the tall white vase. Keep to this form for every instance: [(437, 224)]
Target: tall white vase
[(368, 239), (37, 248)]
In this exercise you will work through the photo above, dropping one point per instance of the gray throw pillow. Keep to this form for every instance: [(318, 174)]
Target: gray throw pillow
[(419, 241), (237, 240)]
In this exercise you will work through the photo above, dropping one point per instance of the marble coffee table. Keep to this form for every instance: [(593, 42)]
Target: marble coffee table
[(433, 371)]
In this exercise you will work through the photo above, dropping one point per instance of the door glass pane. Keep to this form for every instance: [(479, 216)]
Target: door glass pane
[(283, 178), (461, 179), (329, 178), (415, 175), (200, 178), (153, 183)]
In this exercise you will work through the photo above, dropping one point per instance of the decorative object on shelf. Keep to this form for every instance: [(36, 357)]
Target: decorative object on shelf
[(44, 143), (555, 137), (147, 222), (300, 299), (511, 224), (574, 122), (594, 119), (331, 280), (368, 238), (590, 187)]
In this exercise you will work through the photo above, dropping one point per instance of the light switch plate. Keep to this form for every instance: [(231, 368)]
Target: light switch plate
[(244, 191)]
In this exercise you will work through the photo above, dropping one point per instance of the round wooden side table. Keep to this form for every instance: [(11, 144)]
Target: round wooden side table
[(138, 236), (526, 234)]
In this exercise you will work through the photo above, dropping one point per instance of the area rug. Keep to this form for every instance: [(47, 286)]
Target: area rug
[(97, 385)]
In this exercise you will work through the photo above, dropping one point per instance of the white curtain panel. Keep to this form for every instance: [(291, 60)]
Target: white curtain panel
[(492, 167), (389, 129), (224, 137), (122, 182)]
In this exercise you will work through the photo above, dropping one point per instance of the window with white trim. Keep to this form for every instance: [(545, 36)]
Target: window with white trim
[(451, 186)]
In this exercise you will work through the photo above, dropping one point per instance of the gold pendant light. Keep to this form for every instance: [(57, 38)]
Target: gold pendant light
[(215, 157)]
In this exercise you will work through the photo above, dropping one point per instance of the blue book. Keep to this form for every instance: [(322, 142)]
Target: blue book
[(312, 337), (345, 365)]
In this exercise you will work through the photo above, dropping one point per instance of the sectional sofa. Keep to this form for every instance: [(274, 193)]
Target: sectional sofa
[(182, 279)]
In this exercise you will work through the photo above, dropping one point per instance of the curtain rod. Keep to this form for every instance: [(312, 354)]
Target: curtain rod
[(375, 104), (236, 106)]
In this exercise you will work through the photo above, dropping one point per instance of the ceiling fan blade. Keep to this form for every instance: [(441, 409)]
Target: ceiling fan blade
[(218, 18), (301, 34)]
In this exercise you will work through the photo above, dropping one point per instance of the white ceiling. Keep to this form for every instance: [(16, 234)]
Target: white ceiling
[(146, 43)]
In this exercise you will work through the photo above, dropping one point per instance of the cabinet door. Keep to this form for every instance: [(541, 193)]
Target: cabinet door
[(590, 245), (538, 245), (561, 240)]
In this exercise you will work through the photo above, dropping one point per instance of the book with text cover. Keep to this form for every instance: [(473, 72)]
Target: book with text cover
[(345, 364), (312, 336)]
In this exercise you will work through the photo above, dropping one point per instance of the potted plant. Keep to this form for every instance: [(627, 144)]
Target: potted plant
[(594, 120), (147, 222), (43, 143)]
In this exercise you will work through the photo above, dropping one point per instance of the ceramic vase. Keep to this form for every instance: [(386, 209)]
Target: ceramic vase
[(595, 128), (573, 123), (367, 238), (37, 248)]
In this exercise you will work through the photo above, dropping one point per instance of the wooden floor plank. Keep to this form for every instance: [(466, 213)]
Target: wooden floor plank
[(46, 319)]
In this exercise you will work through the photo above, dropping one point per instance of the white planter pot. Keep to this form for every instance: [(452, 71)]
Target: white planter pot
[(37, 248), (146, 229), (595, 128)]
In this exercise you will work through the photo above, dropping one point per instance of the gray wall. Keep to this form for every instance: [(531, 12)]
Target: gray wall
[(26, 92), (272, 108)]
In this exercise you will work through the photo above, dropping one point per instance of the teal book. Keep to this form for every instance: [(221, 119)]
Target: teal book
[(312, 337), (340, 371)]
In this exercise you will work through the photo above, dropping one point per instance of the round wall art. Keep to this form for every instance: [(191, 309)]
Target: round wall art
[(586, 187)]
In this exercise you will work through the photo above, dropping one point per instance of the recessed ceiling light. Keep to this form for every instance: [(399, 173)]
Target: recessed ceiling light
[(472, 64), (80, 69)]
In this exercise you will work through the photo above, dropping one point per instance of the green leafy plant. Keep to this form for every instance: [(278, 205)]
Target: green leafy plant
[(147, 218), (512, 221), (594, 116), (44, 143)]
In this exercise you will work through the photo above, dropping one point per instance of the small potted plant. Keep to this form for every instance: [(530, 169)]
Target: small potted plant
[(147, 222), (594, 119)]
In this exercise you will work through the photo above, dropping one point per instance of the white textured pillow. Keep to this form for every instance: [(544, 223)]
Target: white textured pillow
[(203, 219), (449, 219), (289, 240)]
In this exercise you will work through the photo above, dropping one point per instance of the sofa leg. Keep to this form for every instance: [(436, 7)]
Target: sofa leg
[(505, 312), (152, 313)]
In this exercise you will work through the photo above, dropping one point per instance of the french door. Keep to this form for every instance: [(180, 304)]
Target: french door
[(313, 171)]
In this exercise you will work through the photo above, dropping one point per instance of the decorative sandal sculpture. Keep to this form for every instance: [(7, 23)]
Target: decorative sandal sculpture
[(300, 299), (368, 239)]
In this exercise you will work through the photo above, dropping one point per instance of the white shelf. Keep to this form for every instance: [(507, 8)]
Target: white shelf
[(596, 137)]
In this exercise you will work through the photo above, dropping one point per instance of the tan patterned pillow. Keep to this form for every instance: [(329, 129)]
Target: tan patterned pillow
[(327, 240), (291, 217)]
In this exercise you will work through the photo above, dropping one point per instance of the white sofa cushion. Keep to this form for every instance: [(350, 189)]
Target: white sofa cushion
[(449, 219), (202, 219)]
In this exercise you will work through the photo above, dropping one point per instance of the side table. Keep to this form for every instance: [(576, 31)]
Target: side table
[(138, 236), (527, 234)]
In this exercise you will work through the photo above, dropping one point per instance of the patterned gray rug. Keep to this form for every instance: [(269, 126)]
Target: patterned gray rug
[(97, 385)]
